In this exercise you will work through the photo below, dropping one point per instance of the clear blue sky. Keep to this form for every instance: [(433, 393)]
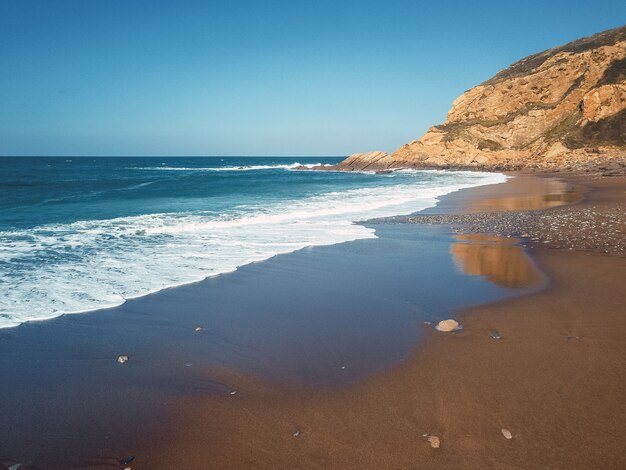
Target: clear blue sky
[(259, 77)]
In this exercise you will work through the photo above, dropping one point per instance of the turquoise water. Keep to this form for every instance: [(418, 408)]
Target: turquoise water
[(78, 234)]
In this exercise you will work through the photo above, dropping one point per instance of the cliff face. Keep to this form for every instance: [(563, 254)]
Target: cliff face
[(562, 108)]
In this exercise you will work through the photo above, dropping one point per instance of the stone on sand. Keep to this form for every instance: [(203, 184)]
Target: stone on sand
[(434, 442), (447, 325), (122, 359), (507, 434)]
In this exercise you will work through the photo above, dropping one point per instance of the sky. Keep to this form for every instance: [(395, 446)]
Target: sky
[(237, 77)]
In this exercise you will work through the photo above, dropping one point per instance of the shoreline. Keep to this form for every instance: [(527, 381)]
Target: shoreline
[(537, 381), (201, 422), (198, 279), (63, 374)]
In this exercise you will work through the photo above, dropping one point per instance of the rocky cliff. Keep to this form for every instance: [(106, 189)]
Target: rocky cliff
[(562, 108)]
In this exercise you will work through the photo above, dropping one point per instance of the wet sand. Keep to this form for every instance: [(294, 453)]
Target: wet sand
[(546, 367), (555, 380), (340, 367)]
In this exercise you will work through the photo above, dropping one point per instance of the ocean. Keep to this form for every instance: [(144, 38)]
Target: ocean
[(83, 233)]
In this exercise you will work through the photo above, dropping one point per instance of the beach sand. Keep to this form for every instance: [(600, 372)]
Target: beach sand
[(328, 358), (553, 381)]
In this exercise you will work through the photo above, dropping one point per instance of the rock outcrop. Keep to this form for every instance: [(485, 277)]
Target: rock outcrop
[(562, 108)]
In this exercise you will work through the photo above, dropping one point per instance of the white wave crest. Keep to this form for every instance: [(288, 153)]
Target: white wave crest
[(291, 166), (85, 265)]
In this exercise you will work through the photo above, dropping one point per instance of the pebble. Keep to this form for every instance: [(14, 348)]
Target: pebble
[(447, 325), (296, 433), (577, 227), (122, 359), (507, 434), (198, 328), (434, 442), (495, 334)]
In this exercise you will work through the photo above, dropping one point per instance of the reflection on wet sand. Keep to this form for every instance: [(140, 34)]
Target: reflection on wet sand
[(498, 259), (530, 193)]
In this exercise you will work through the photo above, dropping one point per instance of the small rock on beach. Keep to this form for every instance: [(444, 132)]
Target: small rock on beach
[(447, 325), (122, 359), (507, 434), (434, 442)]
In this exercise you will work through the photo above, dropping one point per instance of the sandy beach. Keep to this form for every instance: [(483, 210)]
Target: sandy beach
[(341, 367), (545, 370)]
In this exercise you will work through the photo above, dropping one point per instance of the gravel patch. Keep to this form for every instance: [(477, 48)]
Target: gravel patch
[(588, 228)]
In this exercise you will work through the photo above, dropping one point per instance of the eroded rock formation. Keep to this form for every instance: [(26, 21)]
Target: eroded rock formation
[(562, 108)]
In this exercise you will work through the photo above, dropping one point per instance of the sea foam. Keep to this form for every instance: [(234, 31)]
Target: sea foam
[(290, 166), (85, 265)]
